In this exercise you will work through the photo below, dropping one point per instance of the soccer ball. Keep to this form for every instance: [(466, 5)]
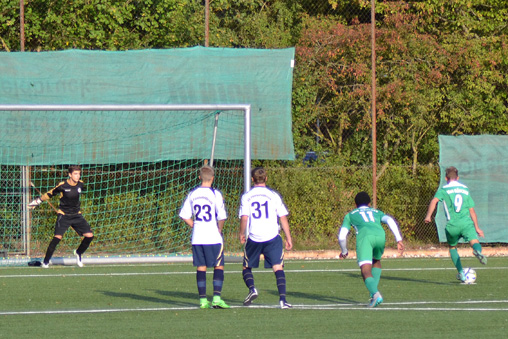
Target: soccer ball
[(470, 275)]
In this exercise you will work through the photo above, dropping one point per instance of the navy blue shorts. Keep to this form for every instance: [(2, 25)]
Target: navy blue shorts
[(272, 251), (208, 255), (76, 221)]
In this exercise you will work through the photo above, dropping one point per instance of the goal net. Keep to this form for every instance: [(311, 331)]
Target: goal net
[(138, 163)]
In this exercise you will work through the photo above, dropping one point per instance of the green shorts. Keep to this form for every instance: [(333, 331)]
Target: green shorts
[(455, 232), (369, 247)]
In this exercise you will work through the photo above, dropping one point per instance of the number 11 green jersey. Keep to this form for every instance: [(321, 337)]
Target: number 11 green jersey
[(365, 220)]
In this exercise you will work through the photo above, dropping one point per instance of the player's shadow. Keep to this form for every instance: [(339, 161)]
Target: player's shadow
[(177, 296), (315, 297), (387, 277)]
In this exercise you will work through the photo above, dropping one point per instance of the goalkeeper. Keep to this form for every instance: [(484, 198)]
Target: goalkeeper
[(69, 214), (370, 242)]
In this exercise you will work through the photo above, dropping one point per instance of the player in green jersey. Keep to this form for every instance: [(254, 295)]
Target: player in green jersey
[(370, 242), (462, 220)]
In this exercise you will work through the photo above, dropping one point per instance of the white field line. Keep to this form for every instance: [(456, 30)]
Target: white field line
[(229, 272), (348, 307)]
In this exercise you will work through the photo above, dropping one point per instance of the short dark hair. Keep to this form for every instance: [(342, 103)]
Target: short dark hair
[(206, 173), (452, 173), (73, 168), (362, 199), (258, 175)]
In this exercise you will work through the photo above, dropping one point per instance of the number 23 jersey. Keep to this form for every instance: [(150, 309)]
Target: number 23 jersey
[(263, 206), (206, 206)]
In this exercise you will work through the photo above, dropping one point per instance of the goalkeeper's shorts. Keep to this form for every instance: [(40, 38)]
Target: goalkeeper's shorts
[(76, 221)]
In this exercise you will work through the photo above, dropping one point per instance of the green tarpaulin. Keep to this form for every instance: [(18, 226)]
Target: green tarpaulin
[(483, 167), (261, 78)]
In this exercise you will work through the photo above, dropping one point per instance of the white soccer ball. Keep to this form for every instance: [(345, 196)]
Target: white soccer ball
[(470, 275)]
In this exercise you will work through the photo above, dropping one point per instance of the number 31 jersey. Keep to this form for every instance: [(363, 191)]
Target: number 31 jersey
[(206, 206), (263, 206), (456, 202)]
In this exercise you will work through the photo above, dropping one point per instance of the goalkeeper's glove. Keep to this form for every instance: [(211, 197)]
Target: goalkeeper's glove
[(35, 203)]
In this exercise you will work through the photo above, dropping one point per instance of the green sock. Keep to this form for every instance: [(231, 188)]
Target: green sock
[(454, 254), (477, 247), (376, 274), (371, 285)]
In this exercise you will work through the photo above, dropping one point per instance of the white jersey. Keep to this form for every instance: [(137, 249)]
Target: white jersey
[(263, 206), (206, 206)]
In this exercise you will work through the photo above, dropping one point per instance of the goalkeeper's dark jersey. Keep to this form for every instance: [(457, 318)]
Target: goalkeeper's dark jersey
[(69, 196)]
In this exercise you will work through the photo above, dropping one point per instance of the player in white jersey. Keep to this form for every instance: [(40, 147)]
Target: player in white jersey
[(461, 216), (261, 209), (205, 212)]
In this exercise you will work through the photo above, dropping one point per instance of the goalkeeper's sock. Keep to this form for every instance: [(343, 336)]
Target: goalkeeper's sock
[(454, 254), (84, 245), (371, 285), (248, 278), (376, 274), (51, 249), (218, 280), (281, 284), (201, 280)]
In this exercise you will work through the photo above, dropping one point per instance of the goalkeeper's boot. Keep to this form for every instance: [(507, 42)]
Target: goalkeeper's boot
[(203, 303), (44, 265), (219, 303), (376, 300), (253, 294), (461, 276), (481, 257), (284, 305), (78, 259)]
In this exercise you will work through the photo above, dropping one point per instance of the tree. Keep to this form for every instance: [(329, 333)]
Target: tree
[(426, 85)]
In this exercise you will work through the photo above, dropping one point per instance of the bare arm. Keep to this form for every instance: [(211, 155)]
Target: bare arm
[(432, 208), (472, 212), (189, 222), (220, 224), (243, 228), (285, 227)]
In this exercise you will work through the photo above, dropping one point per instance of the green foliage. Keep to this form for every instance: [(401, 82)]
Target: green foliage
[(254, 24), (112, 24), (9, 25), (467, 17), (318, 198), (426, 85)]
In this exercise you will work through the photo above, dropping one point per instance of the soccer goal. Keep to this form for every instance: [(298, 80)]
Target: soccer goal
[(138, 163)]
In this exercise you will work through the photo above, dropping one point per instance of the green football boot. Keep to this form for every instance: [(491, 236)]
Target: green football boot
[(203, 303), (219, 303)]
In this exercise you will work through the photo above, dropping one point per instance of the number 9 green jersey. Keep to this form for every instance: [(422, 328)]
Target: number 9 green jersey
[(456, 202)]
